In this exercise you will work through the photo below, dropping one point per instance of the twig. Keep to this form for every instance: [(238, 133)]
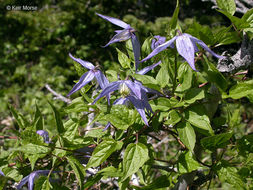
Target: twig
[(57, 96)]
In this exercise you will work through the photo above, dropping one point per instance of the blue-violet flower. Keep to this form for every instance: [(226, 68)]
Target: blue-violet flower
[(133, 92), (123, 35), (89, 76), (186, 47), (44, 134), (30, 178)]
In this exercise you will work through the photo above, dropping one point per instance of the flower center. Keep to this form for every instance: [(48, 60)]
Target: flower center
[(124, 90)]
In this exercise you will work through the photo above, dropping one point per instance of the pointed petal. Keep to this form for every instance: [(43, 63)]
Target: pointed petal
[(85, 79), (31, 180), (107, 126), (203, 45), (23, 182), (119, 37), (159, 48), (139, 107), (148, 68), (101, 79), (136, 50), (134, 87), (103, 82), (114, 21), (108, 89), (185, 48), (121, 101), (86, 64)]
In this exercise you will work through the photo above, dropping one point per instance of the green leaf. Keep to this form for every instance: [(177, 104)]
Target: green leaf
[(78, 168), (242, 89), (134, 157), (160, 182), (147, 81), (213, 75), (32, 137), (197, 117), (96, 133), (174, 118), (227, 5), (186, 163), (123, 59), (121, 117), (110, 172), (185, 77), (229, 174), (71, 128), (146, 46), (102, 152), (22, 122), (248, 18), (194, 94), (162, 76), (92, 180), (42, 183), (173, 21), (216, 141), (33, 149), (57, 117), (239, 23), (76, 106), (187, 135), (38, 120), (161, 103)]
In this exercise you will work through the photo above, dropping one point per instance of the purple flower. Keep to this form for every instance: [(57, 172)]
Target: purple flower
[(44, 134), (89, 76), (133, 92), (123, 35), (156, 41), (148, 68), (186, 47), (30, 178), (1, 173)]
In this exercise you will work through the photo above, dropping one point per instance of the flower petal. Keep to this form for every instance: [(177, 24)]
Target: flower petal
[(185, 48), (85, 79), (159, 48), (44, 134), (121, 101), (156, 41), (203, 45), (114, 21), (148, 68), (108, 89), (135, 88), (139, 107), (2, 173), (136, 49), (23, 182), (120, 36), (103, 82), (86, 64)]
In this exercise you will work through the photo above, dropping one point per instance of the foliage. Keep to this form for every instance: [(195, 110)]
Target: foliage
[(174, 123)]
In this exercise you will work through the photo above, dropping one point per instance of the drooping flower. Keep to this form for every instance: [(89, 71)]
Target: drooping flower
[(44, 134), (186, 47), (89, 76), (133, 92), (156, 41), (123, 35), (31, 177)]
